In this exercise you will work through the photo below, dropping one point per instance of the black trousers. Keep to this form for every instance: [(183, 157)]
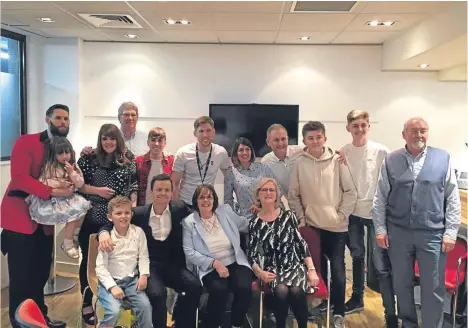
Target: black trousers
[(184, 283), (83, 239), (239, 283), (29, 261)]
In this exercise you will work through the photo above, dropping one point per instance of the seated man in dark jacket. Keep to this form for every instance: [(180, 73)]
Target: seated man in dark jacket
[(161, 222)]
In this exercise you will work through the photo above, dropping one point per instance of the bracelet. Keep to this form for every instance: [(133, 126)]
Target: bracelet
[(311, 269)]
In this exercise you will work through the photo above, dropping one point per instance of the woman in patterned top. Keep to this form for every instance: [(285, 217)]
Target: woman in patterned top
[(108, 172), (242, 178), (287, 265)]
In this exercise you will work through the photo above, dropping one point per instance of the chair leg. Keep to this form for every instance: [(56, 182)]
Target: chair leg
[(260, 322), (196, 318), (454, 308), (249, 322), (329, 292)]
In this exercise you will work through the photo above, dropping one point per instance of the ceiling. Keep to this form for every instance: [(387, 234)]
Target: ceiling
[(267, 22)]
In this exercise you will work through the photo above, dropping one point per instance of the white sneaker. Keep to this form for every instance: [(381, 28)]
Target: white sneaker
[(338, 321)]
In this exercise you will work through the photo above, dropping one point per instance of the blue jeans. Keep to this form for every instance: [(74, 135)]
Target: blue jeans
[(138, 300), (379, 256)]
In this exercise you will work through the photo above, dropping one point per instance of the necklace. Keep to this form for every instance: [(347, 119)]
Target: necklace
[(210, 225)]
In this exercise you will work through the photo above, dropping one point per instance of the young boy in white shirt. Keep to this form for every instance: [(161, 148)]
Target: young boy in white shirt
[(364, 159), (123, 273)]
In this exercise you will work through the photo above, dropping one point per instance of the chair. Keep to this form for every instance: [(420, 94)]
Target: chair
[(455, 274), (127, 318), (28, 315)]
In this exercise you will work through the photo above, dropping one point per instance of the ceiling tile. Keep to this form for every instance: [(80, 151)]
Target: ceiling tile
[(188, 36), (143, 35), (246, 36), (363, 37), (27, 5), (245, 22), (315, 37), (258, 7), (199, 21), (403, 21), (29, 17), (405, 7), (170, 6), (87, 34), (93, 6), (315, 22)]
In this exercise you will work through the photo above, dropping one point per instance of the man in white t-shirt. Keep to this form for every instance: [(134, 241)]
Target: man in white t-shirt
[(198, 163), (282, 158), (364, 159)]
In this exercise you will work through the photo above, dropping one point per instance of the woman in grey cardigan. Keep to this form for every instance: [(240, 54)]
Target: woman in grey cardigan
[(211, 243)]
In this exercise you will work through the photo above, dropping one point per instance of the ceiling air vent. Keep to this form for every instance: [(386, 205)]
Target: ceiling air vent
[(322, 6), (111, 20)]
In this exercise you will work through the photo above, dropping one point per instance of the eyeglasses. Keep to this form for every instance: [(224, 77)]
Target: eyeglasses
[(205, 198), (270, 190)]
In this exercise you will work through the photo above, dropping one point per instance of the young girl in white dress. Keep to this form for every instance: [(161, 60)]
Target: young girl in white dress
[(60, 171)]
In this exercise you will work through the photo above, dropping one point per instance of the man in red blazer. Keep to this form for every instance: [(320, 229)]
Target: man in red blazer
[(28, 244)]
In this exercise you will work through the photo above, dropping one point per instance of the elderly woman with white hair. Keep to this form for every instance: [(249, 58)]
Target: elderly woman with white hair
[(288, 268)]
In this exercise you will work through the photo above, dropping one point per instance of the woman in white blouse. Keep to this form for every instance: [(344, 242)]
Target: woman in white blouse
[(211, 242)]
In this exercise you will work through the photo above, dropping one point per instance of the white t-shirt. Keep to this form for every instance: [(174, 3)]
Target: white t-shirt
[(156, 168), (282, 169), (186, 162), (364, 165)]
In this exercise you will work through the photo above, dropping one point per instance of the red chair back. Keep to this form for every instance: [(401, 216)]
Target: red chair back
[(28, 315)]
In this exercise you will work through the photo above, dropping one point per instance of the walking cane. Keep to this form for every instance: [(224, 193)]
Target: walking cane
[(262, 259)]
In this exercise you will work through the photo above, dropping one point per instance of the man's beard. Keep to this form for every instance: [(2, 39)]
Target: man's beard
[(418, 144), (55, 131)]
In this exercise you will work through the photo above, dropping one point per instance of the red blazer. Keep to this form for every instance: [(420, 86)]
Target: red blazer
[(25, 166)]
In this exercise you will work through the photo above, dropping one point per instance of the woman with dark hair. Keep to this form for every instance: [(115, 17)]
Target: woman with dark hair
[(211, 243), (242, 177), (108, 172)]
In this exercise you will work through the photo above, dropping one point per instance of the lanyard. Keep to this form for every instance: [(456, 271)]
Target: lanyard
[(206, 165)]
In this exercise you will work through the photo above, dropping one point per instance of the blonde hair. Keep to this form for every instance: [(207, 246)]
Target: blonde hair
[(260, 184), (118, 201), (357, 114), (157, 132)]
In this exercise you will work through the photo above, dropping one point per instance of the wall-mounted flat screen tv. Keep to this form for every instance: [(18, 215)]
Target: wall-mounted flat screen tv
[(252, 122)]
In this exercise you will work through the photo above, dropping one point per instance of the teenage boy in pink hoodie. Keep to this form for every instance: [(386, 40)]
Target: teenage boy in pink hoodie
[(322, 194)]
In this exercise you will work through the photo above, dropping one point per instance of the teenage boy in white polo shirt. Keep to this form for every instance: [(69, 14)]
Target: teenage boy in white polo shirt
[(364, 159), (198, 163)]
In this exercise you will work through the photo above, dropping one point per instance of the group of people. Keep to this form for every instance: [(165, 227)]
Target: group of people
[(161, 225)]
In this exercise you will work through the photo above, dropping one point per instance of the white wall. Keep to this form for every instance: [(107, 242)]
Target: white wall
[(173, 84)]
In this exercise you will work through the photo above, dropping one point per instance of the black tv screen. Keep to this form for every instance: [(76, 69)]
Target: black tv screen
[(252, 122)]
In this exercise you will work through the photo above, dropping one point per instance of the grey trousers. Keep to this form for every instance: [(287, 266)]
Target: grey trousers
[(406, 246)]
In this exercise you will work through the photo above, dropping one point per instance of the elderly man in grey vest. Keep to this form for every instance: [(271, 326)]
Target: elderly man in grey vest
[(416, 216)]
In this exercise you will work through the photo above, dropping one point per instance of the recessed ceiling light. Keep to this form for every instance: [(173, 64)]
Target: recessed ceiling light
[(375, 23), (304, 38), (132, 36), (423, 65), (46, 20), (177, 22)]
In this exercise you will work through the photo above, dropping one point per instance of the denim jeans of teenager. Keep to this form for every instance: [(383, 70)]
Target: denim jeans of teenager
[(333, 246), (139, 302), (380, 259)]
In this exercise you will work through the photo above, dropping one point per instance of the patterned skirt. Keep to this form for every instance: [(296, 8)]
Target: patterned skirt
[(296, 277), (57, 210)]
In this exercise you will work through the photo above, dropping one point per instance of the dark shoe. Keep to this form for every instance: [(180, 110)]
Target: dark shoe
[(391, 321), (55, 323), (323, 307), (88, 315), (355, 304)]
